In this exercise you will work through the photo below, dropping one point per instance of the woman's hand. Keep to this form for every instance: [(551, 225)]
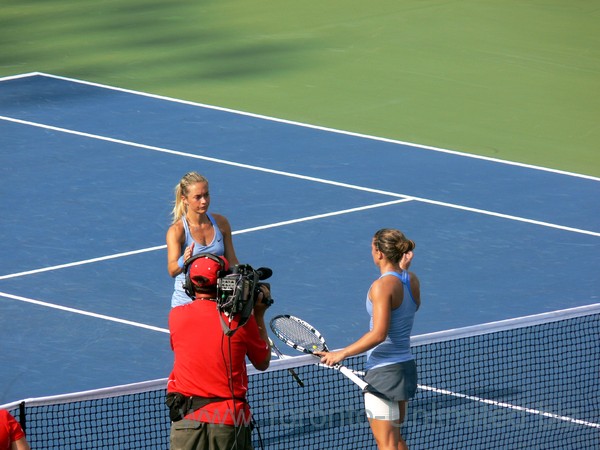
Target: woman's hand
[(188, 252), (406, 260), (331, 358)]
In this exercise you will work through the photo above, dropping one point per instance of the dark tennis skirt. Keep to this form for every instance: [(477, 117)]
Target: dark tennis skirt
[(394, 382)]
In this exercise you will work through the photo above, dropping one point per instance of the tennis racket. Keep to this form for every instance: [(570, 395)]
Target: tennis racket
[(290, 370), (305, 338)]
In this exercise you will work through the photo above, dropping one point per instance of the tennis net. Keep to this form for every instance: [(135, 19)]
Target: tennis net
[(531, 382)]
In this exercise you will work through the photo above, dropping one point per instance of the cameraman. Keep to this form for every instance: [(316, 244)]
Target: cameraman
[(206, 391), (12, 436)]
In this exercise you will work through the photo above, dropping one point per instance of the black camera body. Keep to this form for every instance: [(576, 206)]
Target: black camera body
[(237, 291)]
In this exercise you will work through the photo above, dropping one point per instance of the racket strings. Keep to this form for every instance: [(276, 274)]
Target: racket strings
[(294, 332)]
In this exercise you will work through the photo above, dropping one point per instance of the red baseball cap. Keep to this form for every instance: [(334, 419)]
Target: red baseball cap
[(204, 271)]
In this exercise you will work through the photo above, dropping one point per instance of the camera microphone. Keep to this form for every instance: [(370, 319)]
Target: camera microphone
[(264, 273)]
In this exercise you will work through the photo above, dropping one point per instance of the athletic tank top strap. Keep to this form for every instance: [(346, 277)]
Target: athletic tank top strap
[(186, 227), (404, 277)]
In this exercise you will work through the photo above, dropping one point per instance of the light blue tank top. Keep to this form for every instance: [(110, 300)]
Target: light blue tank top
[(396, 347), (216, 247)]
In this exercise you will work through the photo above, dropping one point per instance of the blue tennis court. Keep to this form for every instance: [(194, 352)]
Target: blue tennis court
[(87, 187)]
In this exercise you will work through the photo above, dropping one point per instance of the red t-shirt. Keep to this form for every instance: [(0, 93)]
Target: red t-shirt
[(206, 359), (10, 430)]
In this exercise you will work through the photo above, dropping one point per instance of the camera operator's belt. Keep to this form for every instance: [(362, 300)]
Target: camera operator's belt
[(181, 405)]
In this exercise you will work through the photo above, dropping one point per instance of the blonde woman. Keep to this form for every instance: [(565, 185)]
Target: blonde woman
[(194, 231)]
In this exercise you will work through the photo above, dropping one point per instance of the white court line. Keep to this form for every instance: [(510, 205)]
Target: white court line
[(161, 247), (82, 262), (305, 125), (476, 399), (83, 313), (449, 393), (321, 216), (302, 177), (204, 158), (510, 406), (507, 216), (22, 75)]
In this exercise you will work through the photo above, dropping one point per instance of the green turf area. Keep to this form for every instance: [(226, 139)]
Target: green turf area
[(515, 80)]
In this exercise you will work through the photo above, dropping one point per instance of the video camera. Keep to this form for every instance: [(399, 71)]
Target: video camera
[(238, 290)]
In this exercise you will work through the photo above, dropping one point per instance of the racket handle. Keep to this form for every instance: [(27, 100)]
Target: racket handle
[(290, 370), (352, 376), (296, 377)]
